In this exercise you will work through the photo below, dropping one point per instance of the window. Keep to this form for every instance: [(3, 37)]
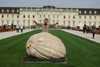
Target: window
[(23, 22), (28, 16), (94, 17), (79, 17), (13, 10), (68, 23), (73, 17), (90, 12), (23, 16), (84, 22), (89, 23), (33, 21), (40, 16), (84, 17), (80, 12), (12, 21), (95, 12), (53, 21), (17, 16), (53, 16), (33, 16), (28, 22), (40, 21), (7, 22), (94, 22), (7, 16), (7, 10), (89, 17), (2, 22), (2, 10), (73, 23), (17, 11), (64, 17), (64, 22), (2, 16), (12, 16), (84, 12), (44, 16), (48, 16), (17, 21)]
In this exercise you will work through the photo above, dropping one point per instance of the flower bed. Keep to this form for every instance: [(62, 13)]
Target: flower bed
[(6, 29), (90, 31)]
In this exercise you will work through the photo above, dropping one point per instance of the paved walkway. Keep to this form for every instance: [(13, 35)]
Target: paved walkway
[(81, 34), (78, 33), (12, 33)]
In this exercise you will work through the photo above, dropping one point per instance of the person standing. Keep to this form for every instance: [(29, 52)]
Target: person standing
[(45, 26), (93, 31), (84, 28), (21, 27), (17, 28)]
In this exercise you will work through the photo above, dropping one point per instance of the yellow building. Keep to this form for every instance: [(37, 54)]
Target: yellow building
[(64, 16)]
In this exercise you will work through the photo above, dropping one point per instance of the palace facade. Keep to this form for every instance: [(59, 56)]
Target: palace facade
[(64, 16)]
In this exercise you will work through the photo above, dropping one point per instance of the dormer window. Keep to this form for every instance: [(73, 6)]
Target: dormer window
[(13, 10), (17, 11), (7, 10), (2, 10), (85, 12), (80, 12), (95, 12), (90, 12)]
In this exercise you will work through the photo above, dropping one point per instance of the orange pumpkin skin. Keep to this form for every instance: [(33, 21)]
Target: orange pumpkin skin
[(45, 46)]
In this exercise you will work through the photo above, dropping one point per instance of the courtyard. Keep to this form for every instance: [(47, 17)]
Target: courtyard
[(81, 52)]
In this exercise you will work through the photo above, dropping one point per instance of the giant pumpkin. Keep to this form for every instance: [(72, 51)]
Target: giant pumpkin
[(45, 46)]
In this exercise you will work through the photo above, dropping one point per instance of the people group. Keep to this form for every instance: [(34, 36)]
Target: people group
[(87, 29), (19, 27), (46, 25)]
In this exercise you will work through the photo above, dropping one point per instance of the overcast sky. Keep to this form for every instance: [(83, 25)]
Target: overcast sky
[(56, 3)]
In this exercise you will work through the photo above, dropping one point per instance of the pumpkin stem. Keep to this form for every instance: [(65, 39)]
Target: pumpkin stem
[(29, 45)]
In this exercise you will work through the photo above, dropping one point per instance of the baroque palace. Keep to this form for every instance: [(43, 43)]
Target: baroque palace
[(64, 16)]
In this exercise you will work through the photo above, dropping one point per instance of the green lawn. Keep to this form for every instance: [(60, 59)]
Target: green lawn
[(80, 52)]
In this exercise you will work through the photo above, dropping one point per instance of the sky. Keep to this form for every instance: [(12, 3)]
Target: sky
[(56, 3)]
